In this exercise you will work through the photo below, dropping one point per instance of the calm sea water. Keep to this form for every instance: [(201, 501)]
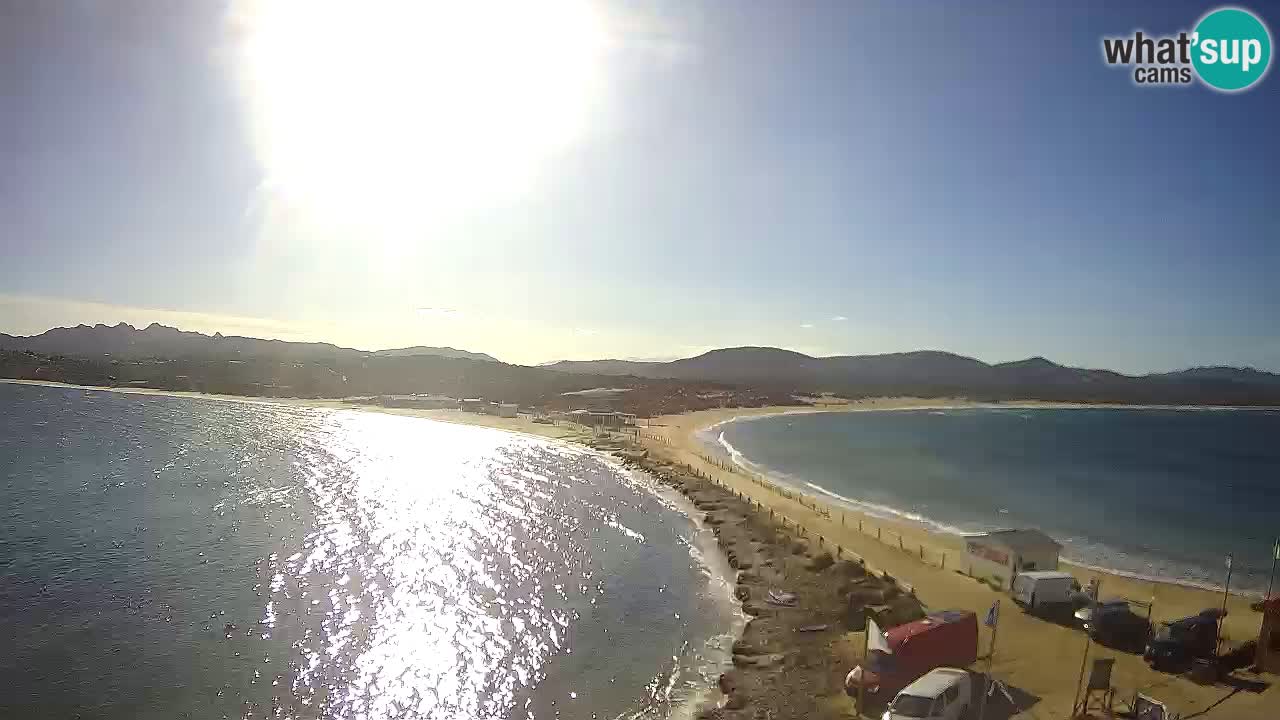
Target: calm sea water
[(1160, 493), (181, 558)]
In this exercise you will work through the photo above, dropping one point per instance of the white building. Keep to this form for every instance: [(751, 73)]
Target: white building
[(1001, 554), (508, 410)]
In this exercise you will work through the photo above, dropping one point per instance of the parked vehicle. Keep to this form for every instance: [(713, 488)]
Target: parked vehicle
[(1178, 642), (1085, 613), (942, 694), (945, 639), (1046, 593), (1119, 627)]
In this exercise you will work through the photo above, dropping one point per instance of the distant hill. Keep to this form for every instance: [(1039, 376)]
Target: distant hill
[(930, 373), (436, 351), (208, 361), (161, 341)]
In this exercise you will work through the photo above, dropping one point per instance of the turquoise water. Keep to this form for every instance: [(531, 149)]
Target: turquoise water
[(1150, 492), (181, 558)]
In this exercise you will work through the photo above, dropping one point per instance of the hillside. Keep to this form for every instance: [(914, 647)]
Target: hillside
[(937, 374), (161, 356), (447, 352), (161, 341)]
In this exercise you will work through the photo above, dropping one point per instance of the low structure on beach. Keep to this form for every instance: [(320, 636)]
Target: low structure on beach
[(601, 419), (1000, 555)]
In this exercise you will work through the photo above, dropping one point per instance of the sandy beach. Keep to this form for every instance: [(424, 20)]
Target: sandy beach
[(1040, 659), (780, 668)]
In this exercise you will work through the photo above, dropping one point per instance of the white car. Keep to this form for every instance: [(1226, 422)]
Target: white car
[(942, 694)]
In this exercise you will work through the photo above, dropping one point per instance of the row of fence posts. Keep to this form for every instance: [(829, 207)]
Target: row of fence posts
[(800, 499), (839, 550)]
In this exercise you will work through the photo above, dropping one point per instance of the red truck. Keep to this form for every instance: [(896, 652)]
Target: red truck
[(948, 638)]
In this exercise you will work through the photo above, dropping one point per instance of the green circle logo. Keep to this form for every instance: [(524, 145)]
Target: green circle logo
[(1232, 49)]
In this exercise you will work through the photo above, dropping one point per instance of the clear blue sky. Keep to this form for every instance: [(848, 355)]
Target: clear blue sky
[(690, 175)]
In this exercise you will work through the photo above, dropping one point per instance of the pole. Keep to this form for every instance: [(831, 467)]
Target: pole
[(1084, 659), (862, 679), (1225, 590), (1275, 555), (991, 654)]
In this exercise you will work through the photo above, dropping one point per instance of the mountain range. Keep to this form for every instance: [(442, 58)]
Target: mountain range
[(931, 373), (161, 341), (759, 370)]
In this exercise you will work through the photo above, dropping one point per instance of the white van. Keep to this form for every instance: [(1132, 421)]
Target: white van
[(1044, 592), (942, 694)]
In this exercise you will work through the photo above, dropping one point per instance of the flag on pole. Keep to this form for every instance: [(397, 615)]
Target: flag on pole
[(876, 639), (993, 615), (1277, 550)]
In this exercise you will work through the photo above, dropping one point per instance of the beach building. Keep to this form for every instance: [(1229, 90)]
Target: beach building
[(1001, 554), (508, 410), (475, 405), (602, 418)]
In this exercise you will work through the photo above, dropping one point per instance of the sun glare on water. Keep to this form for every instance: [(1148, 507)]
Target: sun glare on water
[(390, 112)]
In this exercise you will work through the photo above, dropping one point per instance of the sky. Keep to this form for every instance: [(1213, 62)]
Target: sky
[(637, 179)]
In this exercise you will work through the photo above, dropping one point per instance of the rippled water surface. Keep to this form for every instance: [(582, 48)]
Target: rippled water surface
[(171, 557), (1149, 492)]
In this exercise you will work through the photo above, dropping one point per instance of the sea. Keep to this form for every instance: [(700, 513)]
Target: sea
[(1164, 494), (173, 557)]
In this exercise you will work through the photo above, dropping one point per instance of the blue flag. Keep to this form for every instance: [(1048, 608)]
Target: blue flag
[(992, 615)]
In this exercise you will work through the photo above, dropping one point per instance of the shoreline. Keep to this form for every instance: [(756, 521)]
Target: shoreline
[(939, 529), (768, 538), (940, 533), (1037, 657), (704, 420)]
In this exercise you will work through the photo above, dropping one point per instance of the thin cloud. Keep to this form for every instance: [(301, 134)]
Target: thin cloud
[(807, 326), (839, 318)]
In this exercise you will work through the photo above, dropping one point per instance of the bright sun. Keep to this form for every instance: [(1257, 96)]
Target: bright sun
[(387, 112)]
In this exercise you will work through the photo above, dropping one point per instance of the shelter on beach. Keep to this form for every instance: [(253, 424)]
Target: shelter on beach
[(1001, 554), (602, 419)]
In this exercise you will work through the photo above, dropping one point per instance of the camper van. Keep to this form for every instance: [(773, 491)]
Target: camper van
[(945, 638), (1046, 593)]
